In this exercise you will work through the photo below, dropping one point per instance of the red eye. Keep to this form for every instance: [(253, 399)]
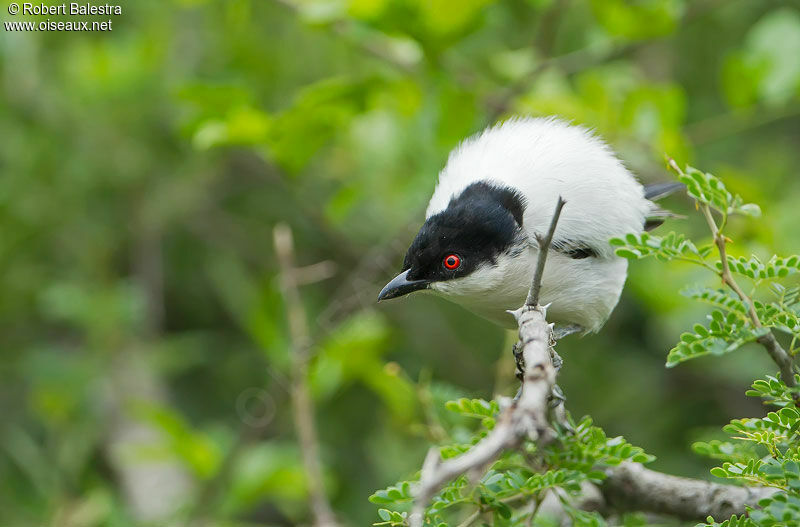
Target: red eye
[(452, 261)]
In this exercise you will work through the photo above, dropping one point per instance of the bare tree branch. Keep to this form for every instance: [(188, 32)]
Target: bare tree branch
[(632, 487), (302, 405)]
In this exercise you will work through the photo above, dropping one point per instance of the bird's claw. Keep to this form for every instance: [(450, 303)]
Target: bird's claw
[(558, 410), (557, 396), (519, 360)]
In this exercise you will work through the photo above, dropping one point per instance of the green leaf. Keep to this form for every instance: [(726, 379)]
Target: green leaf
[(709, 189), (765, 69), (733, 521), (774, 391), (588, 448), (398, 493), (669, 247), (630, 254), (726, 450), (757, 270), (478, 408), (726, 332), (392, 518), (720, 298)]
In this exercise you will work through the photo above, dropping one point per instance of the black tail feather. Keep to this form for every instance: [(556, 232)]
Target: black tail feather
[(653, 223), (655, 192)]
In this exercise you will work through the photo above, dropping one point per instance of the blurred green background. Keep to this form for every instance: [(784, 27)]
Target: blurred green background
[(145, 366)]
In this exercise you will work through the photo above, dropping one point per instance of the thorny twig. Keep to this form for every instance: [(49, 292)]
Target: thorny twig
[(544, 247)]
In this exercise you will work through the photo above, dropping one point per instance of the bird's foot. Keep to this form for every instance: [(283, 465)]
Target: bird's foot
[(519, 360), (557, 360), (558, 412), (557, 397)]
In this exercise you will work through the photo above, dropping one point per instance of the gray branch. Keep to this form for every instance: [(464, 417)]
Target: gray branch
[(632, 487)]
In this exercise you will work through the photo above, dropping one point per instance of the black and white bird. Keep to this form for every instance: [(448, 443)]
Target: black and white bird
[(497, 191)]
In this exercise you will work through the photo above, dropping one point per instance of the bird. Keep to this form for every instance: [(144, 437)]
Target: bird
[(495, 196)]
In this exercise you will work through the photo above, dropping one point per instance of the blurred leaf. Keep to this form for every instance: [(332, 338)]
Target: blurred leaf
[(196, 449), (257, 308), (242, 126), (766, 68), (638, 20), (319, 113), (725, 333), (268, 470), (442, 20), (352, 352)]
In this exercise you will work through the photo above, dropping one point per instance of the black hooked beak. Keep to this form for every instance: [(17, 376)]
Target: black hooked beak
[(400, 286)]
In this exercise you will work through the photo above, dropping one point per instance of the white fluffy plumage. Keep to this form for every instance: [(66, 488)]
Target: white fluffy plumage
[(543, 159)]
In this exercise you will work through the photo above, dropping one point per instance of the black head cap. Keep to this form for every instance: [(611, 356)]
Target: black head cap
[(477, 225)]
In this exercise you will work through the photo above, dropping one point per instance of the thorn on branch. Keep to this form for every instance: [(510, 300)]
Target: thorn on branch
[(544, 248)]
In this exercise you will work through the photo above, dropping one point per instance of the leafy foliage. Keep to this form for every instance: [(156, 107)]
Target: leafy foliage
[(731, 325), (579, 455), (486, 411), (720, 298), (773, 391), (710, 190), (398, 493), (670, 247), (733, 521), (757, 270), (737, 320), (392, 518), (725, 333)]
